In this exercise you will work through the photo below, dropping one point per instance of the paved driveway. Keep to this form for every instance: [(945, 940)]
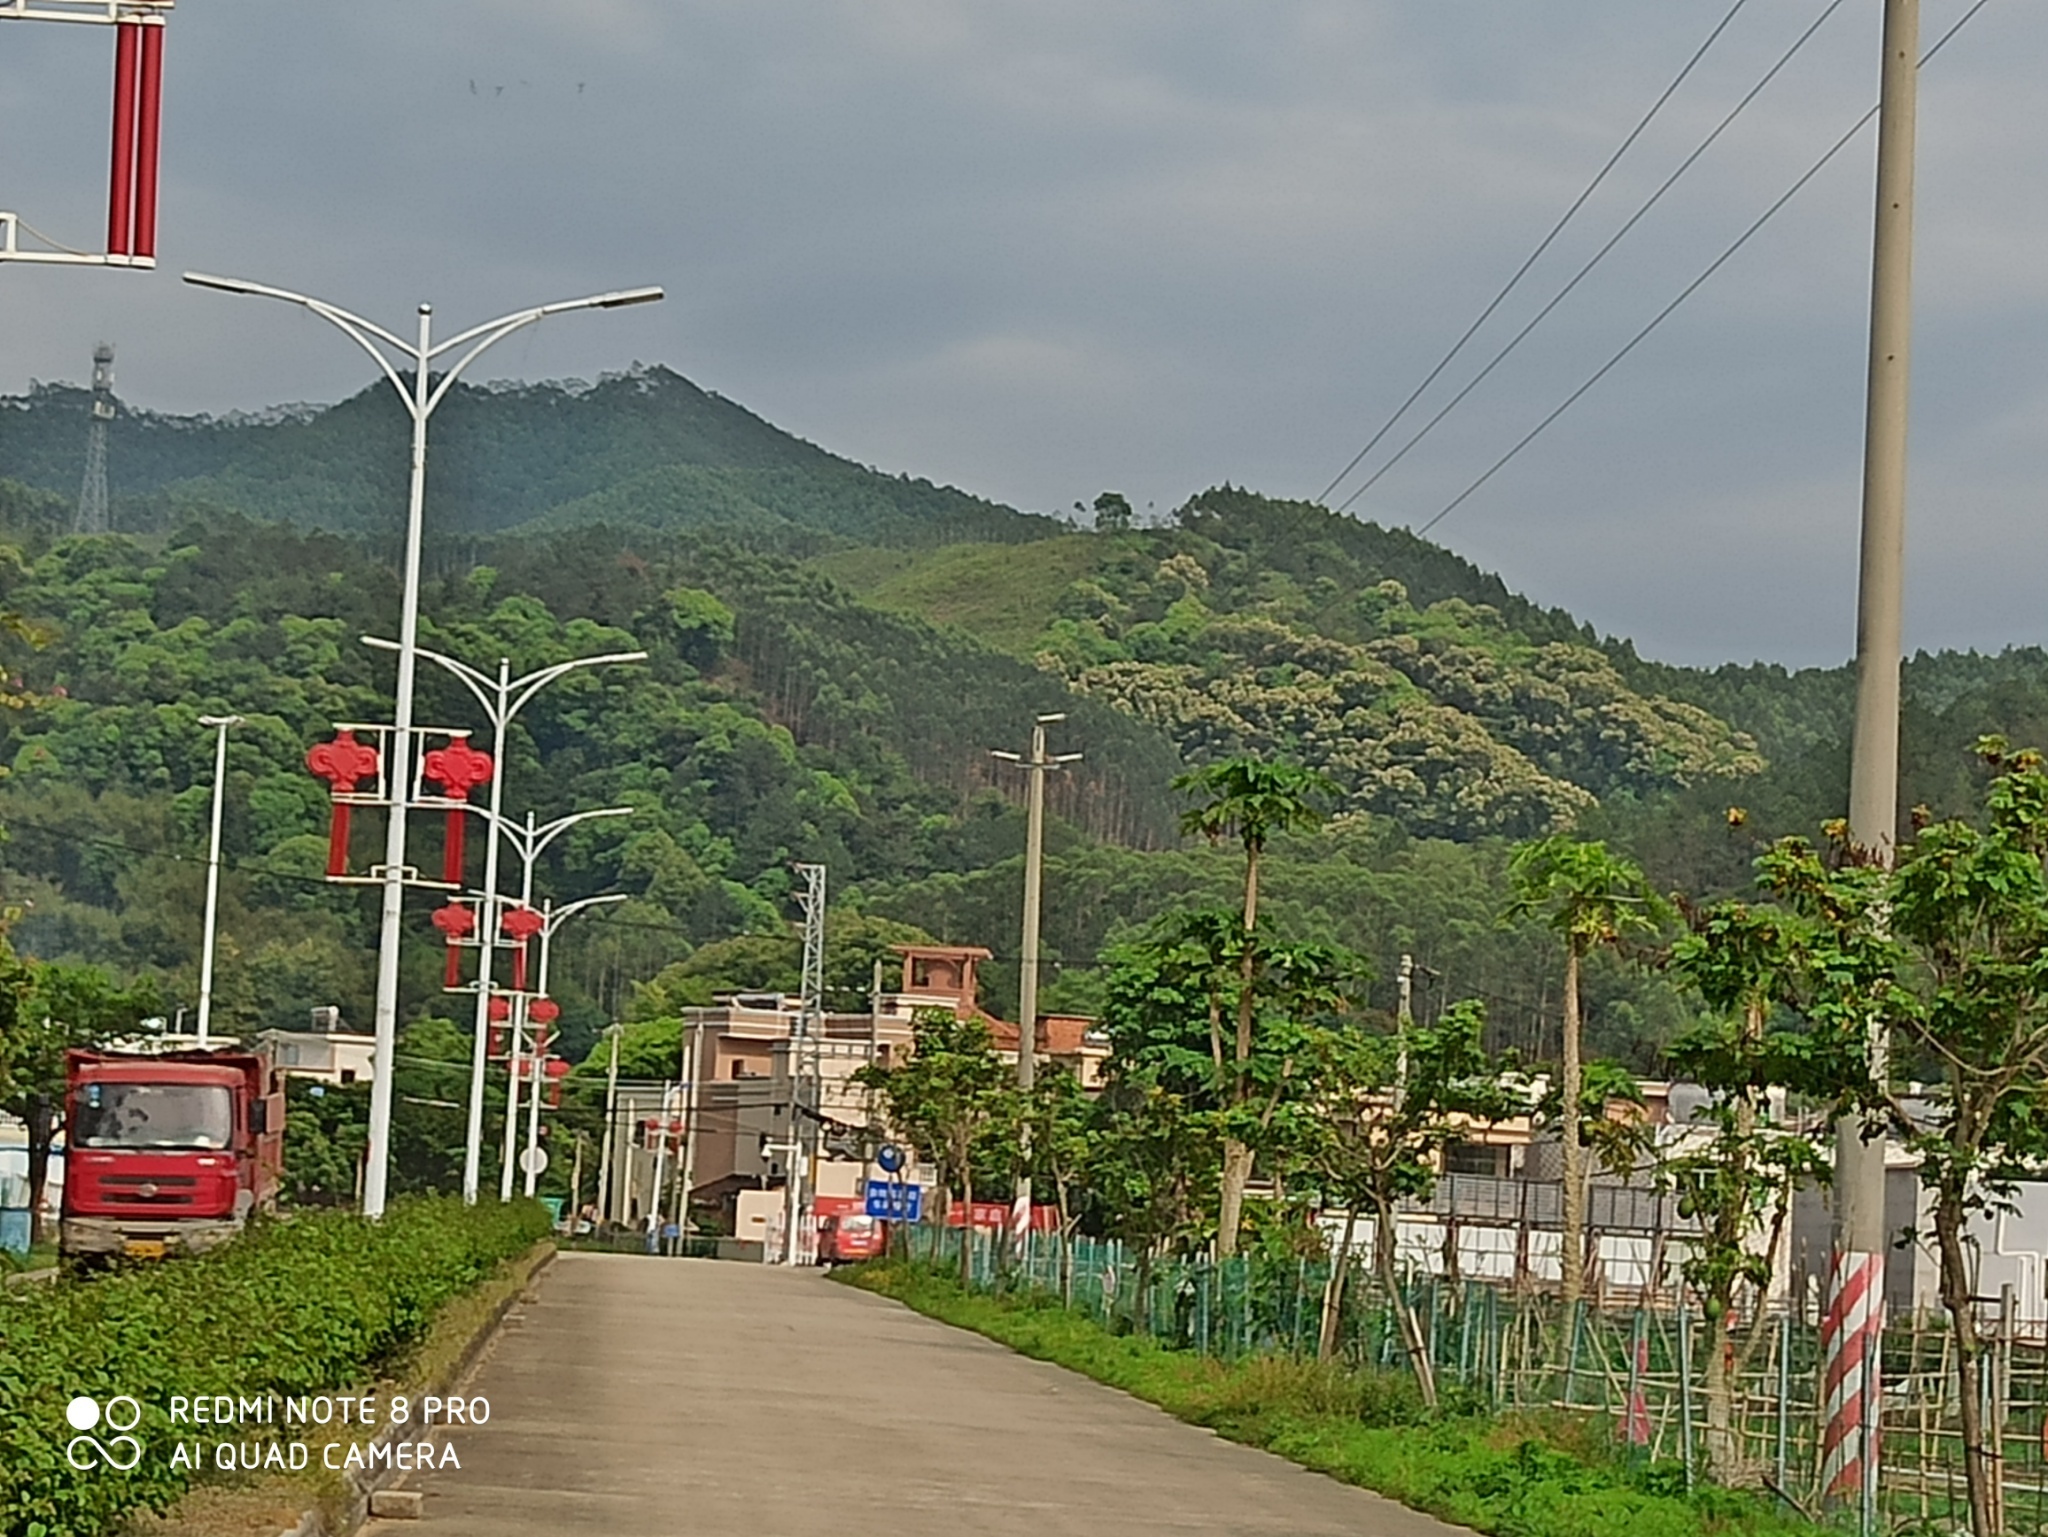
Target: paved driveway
[(643, 1396)]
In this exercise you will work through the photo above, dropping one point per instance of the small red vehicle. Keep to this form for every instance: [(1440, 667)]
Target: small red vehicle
[(848, 1236)]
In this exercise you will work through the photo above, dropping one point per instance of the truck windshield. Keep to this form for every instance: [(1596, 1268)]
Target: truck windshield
[(153, 1115)]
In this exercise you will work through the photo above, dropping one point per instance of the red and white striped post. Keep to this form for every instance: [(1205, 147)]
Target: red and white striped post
[(1851, 1331)]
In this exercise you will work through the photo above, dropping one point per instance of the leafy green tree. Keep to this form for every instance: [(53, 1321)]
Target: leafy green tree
[(1383, 1107), (1736, 1175), (1112, 513), (1252, 800), (1948, 953), (947, 1096), (1150, 1169), (1060, 1118), (46, 1010), (1166, 1003), (1593, 898)]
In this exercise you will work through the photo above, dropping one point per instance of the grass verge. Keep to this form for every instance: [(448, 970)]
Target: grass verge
[(1508, 1475)]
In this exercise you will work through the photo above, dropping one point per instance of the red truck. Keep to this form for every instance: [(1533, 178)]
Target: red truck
[(167, 1153)]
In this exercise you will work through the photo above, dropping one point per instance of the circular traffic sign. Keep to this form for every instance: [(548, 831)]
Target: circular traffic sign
[(534, 1161), (890, 1157)]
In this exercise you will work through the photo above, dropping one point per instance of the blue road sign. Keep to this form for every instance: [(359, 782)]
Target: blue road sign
[(890, 1157), (895, 1203)]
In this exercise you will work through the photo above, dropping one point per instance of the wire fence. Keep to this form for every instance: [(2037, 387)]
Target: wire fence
[(1642, 1369)]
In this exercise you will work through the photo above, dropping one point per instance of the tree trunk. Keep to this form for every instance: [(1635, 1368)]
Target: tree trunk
[(1979, 1462), (42, 1131), (1572, 1240), (1411, 1327), (1237, 1170), (1724, 1446), (1333, 1293)]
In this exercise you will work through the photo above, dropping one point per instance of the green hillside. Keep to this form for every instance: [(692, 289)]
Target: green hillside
[(646, 447), (835, 654)]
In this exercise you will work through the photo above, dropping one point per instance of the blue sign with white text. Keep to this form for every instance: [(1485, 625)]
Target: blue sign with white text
[(895, 1203)]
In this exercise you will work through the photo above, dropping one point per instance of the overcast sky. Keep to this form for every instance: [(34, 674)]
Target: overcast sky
[(1040, 250)]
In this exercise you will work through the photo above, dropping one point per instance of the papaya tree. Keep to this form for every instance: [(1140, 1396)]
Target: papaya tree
[(1250, 799), (1382, 1109), (1592, 898), (1734, 1172)]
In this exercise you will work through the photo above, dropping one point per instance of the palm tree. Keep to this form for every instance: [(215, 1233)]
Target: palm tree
[(1593, 897), (1250, 799)]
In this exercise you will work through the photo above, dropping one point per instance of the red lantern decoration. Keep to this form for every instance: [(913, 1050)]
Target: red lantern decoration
[(558, 1072), (544, 1011), (457, 768), (458, 923), (520, 924), (344, 763), (501, 1010)]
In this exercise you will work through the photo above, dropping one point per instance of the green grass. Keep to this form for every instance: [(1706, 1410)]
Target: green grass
[(1511, 1475), (1003, 594)]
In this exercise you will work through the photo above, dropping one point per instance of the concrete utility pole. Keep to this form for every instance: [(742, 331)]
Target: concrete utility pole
[(222, 725), (1853, 1327), (611, 1127), (804, 1063), (1036, 767), (691, 1101)]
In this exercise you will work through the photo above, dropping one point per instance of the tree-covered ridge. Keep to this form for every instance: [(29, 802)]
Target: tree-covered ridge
[(646, 446), (1439, 714), (109, 777)]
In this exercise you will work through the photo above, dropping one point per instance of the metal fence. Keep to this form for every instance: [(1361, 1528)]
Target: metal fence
[(1640, 1368)]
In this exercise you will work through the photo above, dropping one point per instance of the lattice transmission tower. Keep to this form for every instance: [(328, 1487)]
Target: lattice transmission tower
[(92, 496)]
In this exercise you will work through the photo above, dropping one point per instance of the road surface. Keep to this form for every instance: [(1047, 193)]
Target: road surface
[(661, 1397)]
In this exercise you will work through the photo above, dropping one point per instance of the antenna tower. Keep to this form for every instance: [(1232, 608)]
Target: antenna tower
[(806, 1090), (92, 497)]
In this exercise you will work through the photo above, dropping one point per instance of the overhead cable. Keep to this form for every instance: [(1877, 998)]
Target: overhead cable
[(1600, 255), (1691, 288), (1542, 245)]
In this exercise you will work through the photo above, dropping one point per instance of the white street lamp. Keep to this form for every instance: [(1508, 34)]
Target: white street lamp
[(502, 698), (222, 725), (421, 396), (527, 842), (552, 918)]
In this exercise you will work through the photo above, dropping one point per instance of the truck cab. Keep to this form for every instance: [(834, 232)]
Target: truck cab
[(167, 1153)]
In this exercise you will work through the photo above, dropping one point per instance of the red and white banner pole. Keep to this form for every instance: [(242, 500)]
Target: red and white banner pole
[(1851, 1390)]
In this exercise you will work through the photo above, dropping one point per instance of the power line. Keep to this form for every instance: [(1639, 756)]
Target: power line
[(1687, 292), (1600, 255), (1541, 246)]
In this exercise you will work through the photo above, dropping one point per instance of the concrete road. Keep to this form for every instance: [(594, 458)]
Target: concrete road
[(659, 1397)]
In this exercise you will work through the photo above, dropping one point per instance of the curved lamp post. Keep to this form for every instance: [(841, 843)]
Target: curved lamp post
[(420, 395), (502, 698)]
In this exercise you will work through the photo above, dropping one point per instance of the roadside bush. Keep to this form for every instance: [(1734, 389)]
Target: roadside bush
[(319, 1302)]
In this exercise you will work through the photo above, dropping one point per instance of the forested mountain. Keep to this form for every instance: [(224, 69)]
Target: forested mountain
[(643, 447), (834, 655)]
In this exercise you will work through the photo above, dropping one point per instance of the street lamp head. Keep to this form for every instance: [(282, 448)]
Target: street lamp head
[(225, 285), (220, 720), (626, 296), (1047, 720)]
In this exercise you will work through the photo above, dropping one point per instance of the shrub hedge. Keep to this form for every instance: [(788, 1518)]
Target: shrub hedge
[(319, 1302)]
